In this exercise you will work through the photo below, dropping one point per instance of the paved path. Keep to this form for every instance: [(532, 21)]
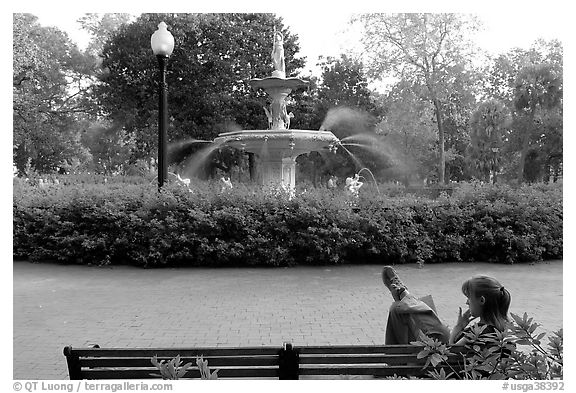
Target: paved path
[(55, 305)]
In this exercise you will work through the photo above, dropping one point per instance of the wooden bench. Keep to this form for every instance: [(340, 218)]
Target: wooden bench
[(286, 362)]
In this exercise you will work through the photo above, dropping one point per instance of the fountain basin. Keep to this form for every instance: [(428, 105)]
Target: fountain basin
[(277, 83), (278, 149), (285, 142)]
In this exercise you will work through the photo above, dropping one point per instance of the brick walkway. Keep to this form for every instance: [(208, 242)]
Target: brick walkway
[(55, 305)]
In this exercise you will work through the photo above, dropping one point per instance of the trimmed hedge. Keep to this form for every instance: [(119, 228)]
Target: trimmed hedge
[(134, 224)]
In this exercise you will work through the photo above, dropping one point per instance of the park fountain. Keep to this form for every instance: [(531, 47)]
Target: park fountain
[(278, 146)]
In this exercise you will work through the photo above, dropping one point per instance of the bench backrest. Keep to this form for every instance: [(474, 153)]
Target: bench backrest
[(285, 362)]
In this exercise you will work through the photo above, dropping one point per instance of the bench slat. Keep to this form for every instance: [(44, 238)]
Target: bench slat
[(362, 359), (367, 359), (173, 352), (367, 349), (376, 371), (212, 361), (360, 349), (147, 374)]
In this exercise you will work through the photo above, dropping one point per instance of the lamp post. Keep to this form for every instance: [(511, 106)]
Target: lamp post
[(162, 45)]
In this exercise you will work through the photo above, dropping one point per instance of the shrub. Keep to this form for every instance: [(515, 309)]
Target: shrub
[(499, 355), (174, 369), (131, 223)]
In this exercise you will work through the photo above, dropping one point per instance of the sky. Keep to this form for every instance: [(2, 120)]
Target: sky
[(324, 30)]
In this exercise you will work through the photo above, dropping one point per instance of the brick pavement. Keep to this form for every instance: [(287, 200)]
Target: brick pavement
[(58, 305)]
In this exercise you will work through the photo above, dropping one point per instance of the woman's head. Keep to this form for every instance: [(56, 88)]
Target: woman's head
[(487, 299)]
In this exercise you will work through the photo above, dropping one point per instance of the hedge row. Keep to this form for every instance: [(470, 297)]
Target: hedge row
[(134, 224)]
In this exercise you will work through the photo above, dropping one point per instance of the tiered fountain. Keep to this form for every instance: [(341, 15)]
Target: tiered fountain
[(278, 146)]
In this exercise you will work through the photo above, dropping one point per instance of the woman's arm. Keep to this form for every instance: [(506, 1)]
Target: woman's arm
[(461, 323)]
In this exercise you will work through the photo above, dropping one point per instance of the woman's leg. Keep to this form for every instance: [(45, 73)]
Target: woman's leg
[(409, 317), (398, 326)]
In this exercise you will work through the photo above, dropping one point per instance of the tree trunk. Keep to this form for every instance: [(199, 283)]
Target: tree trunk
[(442, 162), (525, 147), (556, 172), (523, 154), (547, 169)]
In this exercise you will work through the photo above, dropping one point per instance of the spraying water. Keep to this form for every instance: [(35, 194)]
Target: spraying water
[(357, 162), (345, 121), (196, 161), (373, 178)]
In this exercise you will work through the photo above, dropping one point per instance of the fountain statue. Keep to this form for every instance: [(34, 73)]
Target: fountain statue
[(279, 145)]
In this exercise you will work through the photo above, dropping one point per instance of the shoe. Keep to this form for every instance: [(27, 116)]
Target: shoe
[(393, 282)]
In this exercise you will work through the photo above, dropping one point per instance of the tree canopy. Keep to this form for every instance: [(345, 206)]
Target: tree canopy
[(215, 56), (48, 96), (97, 109), (428, 49)]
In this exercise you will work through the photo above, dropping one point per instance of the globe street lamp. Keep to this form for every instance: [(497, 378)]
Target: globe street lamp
[(162, 45)]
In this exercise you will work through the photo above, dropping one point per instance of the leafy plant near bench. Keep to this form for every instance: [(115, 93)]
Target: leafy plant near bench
[(497, 355), (173, 368)]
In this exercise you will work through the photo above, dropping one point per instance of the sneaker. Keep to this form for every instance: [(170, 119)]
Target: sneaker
[(393, 282)]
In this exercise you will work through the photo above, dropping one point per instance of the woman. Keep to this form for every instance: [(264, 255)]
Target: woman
[(487, 299)]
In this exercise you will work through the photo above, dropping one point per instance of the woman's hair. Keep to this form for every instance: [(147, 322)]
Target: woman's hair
[(497, 299)]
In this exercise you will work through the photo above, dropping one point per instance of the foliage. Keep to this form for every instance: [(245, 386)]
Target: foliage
[(408, 132), (521, 79), (215, 56), (170, 369), (487, 127), (121, 223), (538, 90), (65, 99), (344, 105), (344, 83), (109, 146), (173, 368), (458, 108), (499, 355), (501, 71), (205, 370), (102, 28), (430, 50), (49, 82)]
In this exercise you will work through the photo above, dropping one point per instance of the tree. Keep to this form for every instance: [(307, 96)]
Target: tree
[(487, 127), (343, 104), (543, 133), (458, 107), (344, 83), (102, 28), (501, 72), (48, 83), (429, 49), (215, 56), (408, 133), (108, 146), (538, 89)]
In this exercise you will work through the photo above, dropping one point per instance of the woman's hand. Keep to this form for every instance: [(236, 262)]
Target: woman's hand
[(463, 319)]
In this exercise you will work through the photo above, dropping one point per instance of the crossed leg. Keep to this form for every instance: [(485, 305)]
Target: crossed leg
[(408, 316)]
